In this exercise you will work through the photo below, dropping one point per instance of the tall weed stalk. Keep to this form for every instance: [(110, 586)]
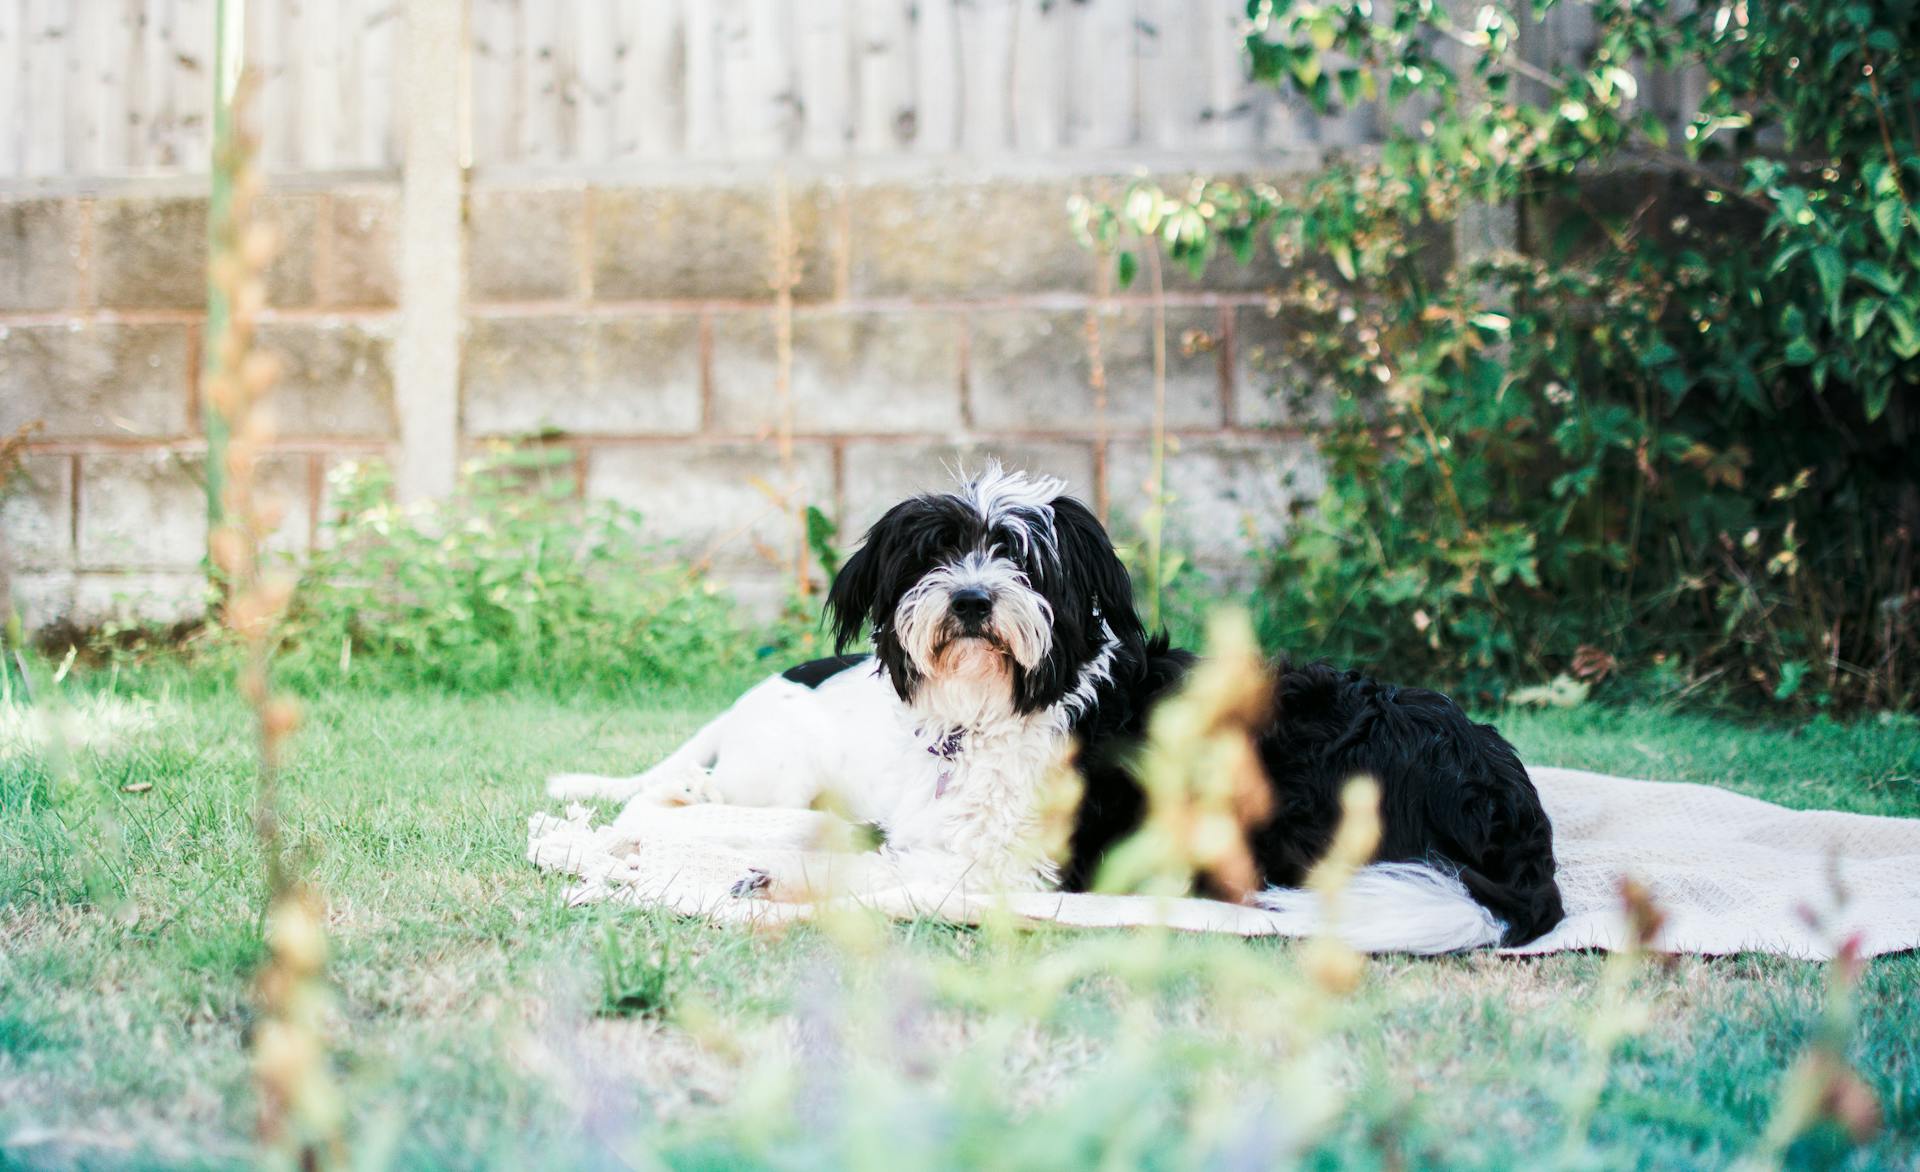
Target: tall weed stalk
[(300, 1110)]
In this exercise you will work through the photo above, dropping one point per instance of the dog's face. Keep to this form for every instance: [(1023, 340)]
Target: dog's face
[(1005, 592)]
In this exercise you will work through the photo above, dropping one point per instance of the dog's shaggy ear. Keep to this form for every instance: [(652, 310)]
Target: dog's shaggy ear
[(868, 588), (869, 583), (1087, 557), (851, 599)]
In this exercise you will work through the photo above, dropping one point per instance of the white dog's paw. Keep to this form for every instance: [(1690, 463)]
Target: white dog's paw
[(573, 787), (752, 885)]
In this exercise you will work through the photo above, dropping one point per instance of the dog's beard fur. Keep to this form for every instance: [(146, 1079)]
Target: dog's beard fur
[(969, 684), (967, 678)]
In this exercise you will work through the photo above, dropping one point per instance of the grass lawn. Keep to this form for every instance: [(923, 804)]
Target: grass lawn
[(473, 1027)]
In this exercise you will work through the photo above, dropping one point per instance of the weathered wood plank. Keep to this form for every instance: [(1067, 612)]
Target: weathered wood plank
[(1039, 81), (274, 105), (317, 56), (591, 80), (376, 142), (936, 77), (704, 134), (493, 38), (13, 71), (650, 101), (44, 81), (1227, 121), (885, 110), (985, 36), (823, 77), (96, 65), (1172, 91), (546, 129), (756, 77), (1102, 95)]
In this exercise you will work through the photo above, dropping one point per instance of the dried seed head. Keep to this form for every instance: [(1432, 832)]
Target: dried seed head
[(283, 1053), (257, 428), (280, 717), (258, 373), (224, 393), (276, 590), (1332, 966), (1851, 1103), (1644, 916), (296, 935), (225, 272), (258, 246), (249, 299), (228, 546), (268, 512), (253, 685), (246, 188)]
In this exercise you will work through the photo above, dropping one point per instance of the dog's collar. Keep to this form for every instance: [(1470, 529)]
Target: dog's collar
[(946, 746)]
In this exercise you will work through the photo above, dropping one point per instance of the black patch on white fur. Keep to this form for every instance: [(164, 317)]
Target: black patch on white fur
[(815, 672)]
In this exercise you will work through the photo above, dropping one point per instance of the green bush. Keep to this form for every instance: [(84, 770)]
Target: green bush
[(1666, 436), (511, 581)]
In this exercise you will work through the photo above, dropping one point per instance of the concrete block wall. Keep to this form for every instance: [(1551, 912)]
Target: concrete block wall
[(935, 321), (102, 324)]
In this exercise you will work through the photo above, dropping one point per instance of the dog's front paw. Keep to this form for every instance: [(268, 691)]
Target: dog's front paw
[(752, 885)]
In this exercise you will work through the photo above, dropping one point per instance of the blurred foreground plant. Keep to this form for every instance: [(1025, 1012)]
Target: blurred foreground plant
[(1616, 1017), (300, 1108), (1201, 769), (1822, 1086)]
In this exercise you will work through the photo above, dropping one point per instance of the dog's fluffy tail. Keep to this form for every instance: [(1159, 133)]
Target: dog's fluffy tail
[(1393, 907)]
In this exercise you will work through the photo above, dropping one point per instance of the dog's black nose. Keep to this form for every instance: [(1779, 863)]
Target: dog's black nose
[(971, 605)]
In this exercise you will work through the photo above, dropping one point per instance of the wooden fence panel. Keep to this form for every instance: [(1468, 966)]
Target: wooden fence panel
[(122, 87)]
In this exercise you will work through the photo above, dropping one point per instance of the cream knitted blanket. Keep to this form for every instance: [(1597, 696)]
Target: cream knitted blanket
[(1732, 873)]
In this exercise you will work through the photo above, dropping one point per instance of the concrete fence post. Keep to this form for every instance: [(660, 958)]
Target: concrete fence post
[(427, 354)]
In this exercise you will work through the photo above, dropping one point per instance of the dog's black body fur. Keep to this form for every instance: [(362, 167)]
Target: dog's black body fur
[(1453, 793)]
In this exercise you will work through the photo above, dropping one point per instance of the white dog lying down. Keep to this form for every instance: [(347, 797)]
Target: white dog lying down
[(1007, 656), (848, 753)]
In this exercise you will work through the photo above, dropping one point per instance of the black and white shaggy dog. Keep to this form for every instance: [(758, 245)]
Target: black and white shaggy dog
[(1004, 643)]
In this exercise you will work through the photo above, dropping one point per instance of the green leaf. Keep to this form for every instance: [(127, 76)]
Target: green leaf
[(1349, 80), (1320, 31), (1659, 354), (1876, 274), (1126, 268), (1906, 338), (1877, 396), (1831, 268), (1792, 673), (1343, 259), (1886, 217), (1306, 69)]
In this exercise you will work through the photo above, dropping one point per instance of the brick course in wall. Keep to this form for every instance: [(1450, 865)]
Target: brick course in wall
[(934, 323)]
